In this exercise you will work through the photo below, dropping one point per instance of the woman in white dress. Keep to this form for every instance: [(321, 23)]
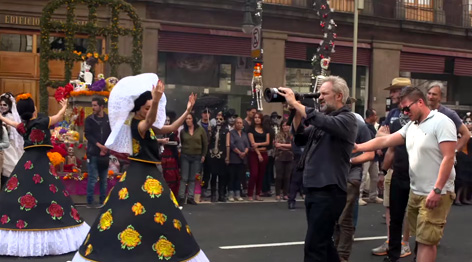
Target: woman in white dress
[(13, 153)]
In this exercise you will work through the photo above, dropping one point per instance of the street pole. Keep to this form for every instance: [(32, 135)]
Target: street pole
[(354, 51)]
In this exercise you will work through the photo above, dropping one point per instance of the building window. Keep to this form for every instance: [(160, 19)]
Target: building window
[(343, 5), (419, 10), (80, 44), (16, 43), (220, 81)]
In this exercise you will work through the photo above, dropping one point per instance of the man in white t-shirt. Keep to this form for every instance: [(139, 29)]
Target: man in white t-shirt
[(430, 139)]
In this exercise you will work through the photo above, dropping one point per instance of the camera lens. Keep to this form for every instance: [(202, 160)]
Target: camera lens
[(272, 96)]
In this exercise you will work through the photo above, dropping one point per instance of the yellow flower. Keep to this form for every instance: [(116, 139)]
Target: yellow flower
[(152, 135), (160, 218), (123, 177), (188, 230), (106, 220), (173, 199), (95, 54), (152, 186), (177, 224), (89, 250), (164, 248), (138, 209), (136, 147), (129, 238), (89, 55), (123, 193)]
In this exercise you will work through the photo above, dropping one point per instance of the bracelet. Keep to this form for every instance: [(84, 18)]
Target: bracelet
[(383, 171)]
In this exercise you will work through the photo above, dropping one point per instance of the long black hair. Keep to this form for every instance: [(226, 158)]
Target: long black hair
[(141, 100), (194, 121), (26, 109)]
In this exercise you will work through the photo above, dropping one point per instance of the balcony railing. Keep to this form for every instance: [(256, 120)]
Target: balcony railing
[(412, 10)]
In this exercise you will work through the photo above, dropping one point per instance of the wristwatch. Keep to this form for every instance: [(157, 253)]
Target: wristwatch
[(437, 190)]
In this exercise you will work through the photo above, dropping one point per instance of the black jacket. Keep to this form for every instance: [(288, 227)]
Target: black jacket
[(96, 132), (328, 164)]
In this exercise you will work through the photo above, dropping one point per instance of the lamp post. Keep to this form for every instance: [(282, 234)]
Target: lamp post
[(255, 29)]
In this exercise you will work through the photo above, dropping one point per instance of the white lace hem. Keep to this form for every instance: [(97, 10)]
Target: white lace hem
[(42, 243), (200, 257)]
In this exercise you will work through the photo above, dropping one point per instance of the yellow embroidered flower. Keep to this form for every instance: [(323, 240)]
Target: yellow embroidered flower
[(89, 250), (138, 209), (188, 230), (136, 147), (164, 248), (177, 224), (152, 186), (160, 218), (152, 135), (123, 193), (106, 220), (129, 238), (174, 199), (123, 177)]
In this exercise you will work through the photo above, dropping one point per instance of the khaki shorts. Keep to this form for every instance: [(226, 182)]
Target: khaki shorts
[(428, 224), (387, 182)]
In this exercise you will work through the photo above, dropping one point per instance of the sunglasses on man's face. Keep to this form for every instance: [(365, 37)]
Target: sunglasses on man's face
[(407, 109), (221, 119)]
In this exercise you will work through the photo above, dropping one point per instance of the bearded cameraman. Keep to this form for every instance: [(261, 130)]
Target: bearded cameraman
[(325, 162)]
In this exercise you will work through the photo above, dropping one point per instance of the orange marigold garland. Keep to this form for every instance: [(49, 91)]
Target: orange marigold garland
[(55, 158), (90, 93), (23, 97)]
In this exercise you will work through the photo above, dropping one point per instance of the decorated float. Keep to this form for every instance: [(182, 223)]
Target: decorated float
[(69, 153)]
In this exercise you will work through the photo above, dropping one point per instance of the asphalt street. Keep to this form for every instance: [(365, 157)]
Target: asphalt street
[(224, 230)]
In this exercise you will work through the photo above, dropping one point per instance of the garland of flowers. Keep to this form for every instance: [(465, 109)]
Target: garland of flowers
[(328, 26), (70, 28), (23, 97)]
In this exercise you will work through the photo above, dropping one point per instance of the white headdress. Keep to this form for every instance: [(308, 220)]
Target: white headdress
[(120, 104), (15, 137)]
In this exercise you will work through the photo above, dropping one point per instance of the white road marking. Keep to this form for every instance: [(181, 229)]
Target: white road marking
[(293, 243)]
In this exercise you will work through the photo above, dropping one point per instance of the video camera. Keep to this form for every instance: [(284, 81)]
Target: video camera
[(271, 95)]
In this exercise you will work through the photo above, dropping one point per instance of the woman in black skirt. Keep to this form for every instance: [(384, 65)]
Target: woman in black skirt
[(141, 220), (37, 215)]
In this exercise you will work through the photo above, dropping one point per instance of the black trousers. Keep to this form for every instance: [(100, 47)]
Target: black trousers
[(399, 193), (323, 208), (217, 168), (206, 172), (296, 180), (268, 176)]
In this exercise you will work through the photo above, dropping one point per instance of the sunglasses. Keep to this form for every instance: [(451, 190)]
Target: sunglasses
[(406, 109), (219, 119)]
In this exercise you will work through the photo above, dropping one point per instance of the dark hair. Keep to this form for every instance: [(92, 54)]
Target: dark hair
[(194, 121), (172, 115), (9, 103), (141, 100), (412, 93), (249, 108), (381, 120), (25, 109), (265, 123), (100, 101), (369, 112)]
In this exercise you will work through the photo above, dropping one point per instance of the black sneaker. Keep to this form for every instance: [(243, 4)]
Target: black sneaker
[(181, 201), (213, 199), (222, 199), (291, 205), (191, 201)]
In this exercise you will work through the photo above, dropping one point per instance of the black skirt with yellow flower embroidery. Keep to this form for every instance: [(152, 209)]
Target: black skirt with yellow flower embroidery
[(141, 221)]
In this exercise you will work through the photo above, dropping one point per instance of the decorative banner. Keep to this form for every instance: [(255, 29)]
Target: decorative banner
[(328, 26)]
